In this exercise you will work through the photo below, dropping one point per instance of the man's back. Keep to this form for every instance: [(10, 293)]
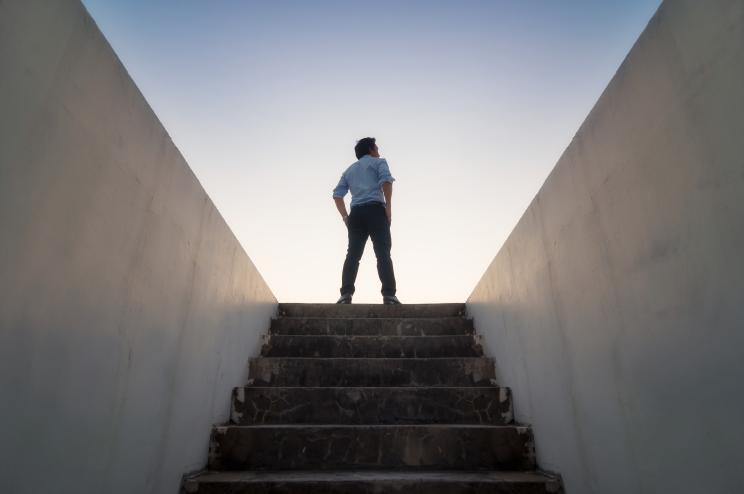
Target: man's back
[(364, 179)]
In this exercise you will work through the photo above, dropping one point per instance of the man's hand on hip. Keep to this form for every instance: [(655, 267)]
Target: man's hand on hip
[(341, 206), (387, 191)]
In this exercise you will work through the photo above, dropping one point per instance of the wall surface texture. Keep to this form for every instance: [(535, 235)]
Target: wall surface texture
[(128, 309), (615, 309)]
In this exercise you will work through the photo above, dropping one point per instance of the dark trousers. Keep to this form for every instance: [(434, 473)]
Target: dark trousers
[(368, 220)]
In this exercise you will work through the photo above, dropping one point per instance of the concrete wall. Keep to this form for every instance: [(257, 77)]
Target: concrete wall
[(615, 309), (128, 309)]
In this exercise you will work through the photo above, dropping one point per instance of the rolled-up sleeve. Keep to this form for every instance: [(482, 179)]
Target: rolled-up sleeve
[(342, 188), (383, 173)]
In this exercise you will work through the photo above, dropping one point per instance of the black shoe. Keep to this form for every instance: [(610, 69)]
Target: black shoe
[(345, 299), (390, 300)]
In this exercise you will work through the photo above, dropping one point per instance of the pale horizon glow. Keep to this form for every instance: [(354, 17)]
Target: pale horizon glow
[(472, 103)]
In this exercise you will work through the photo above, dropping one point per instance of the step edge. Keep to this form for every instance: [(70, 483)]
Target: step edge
[(520, 428), (463, 335), (312, 475), (355, 318), (370, 304), (482, 387), (369, 358)]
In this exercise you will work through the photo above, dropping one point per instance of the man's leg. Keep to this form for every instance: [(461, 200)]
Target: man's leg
[(357, 238), (382, 242)]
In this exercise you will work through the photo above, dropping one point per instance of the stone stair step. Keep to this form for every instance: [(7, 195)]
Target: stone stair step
[(392, 326), (300, 371), (371, 405), (373, 482), (333, 447), (371, 310), (371, 346)]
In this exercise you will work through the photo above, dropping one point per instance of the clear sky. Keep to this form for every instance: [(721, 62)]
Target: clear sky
[(471, 102)]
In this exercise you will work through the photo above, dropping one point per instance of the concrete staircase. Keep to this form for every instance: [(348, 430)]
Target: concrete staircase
[(370, 399)]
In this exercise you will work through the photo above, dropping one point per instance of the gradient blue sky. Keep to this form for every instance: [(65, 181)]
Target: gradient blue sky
[(472, 103)]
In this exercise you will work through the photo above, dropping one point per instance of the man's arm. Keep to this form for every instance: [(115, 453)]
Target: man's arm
[(386, 183), (341, 206), (387, 190), (338, 197)]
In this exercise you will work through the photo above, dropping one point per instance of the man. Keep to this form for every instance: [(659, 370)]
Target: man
[(371, 188)]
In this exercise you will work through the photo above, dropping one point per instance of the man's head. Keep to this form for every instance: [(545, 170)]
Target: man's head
[(366, 146)]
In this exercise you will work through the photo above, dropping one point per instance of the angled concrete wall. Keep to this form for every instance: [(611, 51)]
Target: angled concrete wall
[(128, 309), (615, 309)]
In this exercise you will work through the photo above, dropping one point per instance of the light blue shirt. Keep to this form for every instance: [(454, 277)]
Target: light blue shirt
[(364, 178)]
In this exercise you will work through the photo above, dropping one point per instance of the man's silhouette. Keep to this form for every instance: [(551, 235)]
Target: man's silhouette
[(371, 188)]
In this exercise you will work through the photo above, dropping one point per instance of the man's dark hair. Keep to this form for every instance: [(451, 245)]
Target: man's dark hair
[(364, 146)]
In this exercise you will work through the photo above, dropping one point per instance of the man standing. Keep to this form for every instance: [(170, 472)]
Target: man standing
[(371, 188)]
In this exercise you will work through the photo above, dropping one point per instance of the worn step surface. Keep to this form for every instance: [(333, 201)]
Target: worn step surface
[(371, 310), (381, 326), (366, 398), (371, 405), (371, 346), (364, 447), (294, 371), (374, 482)]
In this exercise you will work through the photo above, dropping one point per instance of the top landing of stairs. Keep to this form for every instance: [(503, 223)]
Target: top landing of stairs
[(371, 310)]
